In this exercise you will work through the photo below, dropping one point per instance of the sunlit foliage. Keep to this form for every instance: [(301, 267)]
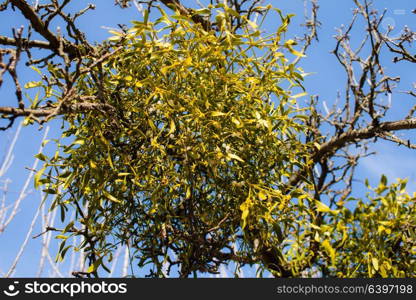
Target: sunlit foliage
[(190, 167)]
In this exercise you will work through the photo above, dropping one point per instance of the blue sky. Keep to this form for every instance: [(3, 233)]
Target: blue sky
[(327, 79)]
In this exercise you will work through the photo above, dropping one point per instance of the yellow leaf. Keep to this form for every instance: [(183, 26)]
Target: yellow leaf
[(262, 195), (245, 207), (114, 38), (303, 196), (187, 61), (294, 52), (111, 197), (299, 95), (123, 174), (330, 251), (188, 192), (297, 53), (374, 261), (118, 33), (154, 142), (321, 207), (233, 156), (385, 223), (139, 84), (104, 140), (244, 216), (380, 229), (95, 265), (79, 142), (236, 122), (110, 161), (172, 127), (317, 237), (164, 70), (38, 176), (252, 24), (217, 114), (36, 69), (128, 78), (151, 124), (32, 84), (290, 42), (265, 123), (383, 272)]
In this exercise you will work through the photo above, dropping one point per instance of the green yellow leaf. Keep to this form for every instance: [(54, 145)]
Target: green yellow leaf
[(111, 197)]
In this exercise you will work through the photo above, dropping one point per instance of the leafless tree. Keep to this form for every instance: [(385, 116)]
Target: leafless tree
[(12, 217)]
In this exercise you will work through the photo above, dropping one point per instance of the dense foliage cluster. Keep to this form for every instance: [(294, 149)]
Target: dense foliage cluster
[(187, 139), (200, 143)]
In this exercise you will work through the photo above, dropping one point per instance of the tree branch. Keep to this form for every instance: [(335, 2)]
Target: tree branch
[(338, 142), (43, 30), (176, 5), (44, 112), (27, 43)]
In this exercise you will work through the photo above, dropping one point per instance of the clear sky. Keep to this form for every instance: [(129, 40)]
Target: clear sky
[(327, 79)]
